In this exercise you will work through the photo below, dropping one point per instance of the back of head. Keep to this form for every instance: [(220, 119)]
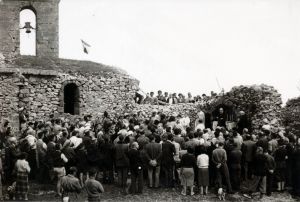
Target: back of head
[(190, 150), (191, 135), (73, 170), (220, 144), (170, 137), (151, 137), (202, 149), (177, 131), (92, 172)]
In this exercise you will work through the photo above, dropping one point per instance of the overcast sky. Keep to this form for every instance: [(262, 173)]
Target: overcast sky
[(187, 45)]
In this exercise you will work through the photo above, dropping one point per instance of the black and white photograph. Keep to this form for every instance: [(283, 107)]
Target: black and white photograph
[(150, 100)]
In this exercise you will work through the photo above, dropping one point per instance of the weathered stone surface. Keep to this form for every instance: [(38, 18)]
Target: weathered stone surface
[(46, 34), (291, 115), (260, 102), (41, 93)]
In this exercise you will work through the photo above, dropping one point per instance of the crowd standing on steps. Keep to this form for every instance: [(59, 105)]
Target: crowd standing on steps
[(156, 151)]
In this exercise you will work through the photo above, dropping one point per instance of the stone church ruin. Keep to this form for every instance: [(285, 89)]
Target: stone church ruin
[(45, 84)]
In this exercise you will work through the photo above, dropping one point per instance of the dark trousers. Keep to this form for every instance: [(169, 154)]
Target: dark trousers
[(122, 176), (137, 182), (168, 176), (221, 173), (258, 182), (269, 183), (235, 178), (247, 170), (108, 175)]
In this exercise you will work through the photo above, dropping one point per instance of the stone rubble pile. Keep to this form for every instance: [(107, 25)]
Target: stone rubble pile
[(261, 102), (183, 109), (291, 115)]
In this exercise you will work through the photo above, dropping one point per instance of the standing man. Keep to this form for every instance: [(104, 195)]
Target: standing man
[(271, 167), (122, 161), (260, 171), (248, 150), (243, 122), (167, 159), (234, 161), (135, 160), (221, 118), (153, 155)]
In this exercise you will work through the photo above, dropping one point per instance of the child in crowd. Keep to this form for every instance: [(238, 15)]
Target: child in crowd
[(93, 187), (22, 170)]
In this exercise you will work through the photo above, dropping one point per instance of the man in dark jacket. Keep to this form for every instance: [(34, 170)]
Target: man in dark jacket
[(136, 170), (243, 122), (248, 150), (167, 159), (122, 162), (221, 118), (262, 140), (260, 172), (106, 159), (271, 167), (234, 162), (153, 156)]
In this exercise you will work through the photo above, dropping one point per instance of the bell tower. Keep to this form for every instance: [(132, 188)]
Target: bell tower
[(46, 13)]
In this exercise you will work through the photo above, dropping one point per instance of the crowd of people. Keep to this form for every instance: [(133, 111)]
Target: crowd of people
[(155, 151), (171, 98)]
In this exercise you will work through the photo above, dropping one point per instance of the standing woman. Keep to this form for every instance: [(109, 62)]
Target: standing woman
[(280, 156), (22, 169), (187, 164), (203, 172)]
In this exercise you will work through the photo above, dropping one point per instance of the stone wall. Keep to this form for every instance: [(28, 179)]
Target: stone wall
[(9, 90), (261, 103), (184, 109), (47, 26), (291, 115), (41, 92)]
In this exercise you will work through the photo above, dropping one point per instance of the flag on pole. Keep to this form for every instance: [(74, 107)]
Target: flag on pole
[(85, 46)]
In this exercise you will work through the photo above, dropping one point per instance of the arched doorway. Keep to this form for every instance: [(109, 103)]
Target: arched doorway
[(71, 99)]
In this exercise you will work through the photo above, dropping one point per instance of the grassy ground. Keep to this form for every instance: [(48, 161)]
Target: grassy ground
[(113, 193)]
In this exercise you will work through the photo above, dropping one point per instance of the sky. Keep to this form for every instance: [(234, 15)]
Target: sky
[(189, 45)]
